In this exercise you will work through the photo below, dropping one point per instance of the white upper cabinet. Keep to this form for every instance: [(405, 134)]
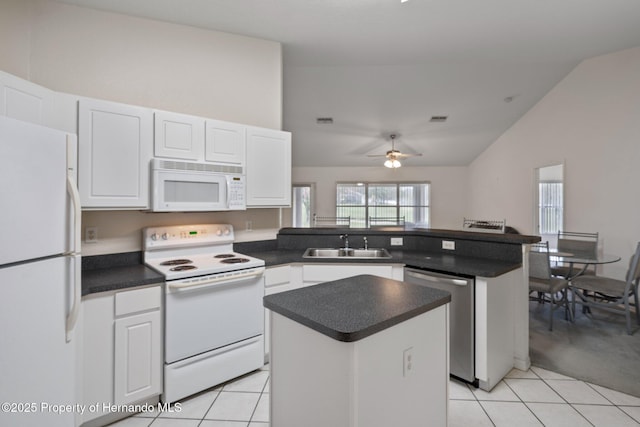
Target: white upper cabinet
[(225, 142), (268, 168), (22, 100), (178, 136), (115, 146)]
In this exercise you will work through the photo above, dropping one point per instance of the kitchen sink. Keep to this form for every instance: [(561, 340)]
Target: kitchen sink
[(346, 253)]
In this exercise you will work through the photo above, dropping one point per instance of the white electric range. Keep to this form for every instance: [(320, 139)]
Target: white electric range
[(213, 306)]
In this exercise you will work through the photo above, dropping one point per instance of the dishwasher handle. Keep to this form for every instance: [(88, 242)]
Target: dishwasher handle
[(437, 279)]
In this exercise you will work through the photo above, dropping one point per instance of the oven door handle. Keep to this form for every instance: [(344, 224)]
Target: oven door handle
[(217, 281)]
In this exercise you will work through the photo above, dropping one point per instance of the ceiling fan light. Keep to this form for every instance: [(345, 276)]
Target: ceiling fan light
[(392, 163)]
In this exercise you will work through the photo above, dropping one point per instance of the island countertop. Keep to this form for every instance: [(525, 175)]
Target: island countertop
[(356, 307)]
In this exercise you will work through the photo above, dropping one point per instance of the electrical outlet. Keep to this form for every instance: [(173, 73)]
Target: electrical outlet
[(249, 226), (407, 362), (396, 241), (449, 245), (91, 235)]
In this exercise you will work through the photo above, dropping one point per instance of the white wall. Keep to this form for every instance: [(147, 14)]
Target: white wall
[(448, 187), (591, 122), (150, 63)]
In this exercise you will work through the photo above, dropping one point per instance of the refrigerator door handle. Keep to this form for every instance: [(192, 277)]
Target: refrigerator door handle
[(72, 317)]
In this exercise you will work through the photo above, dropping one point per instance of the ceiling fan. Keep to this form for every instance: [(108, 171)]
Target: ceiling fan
[(393, 155)]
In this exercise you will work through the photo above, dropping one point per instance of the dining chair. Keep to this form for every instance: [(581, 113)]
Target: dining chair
[(544, 283), (575, 243), (609, 294)]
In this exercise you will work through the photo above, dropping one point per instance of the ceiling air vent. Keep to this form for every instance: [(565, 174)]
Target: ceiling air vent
[(324, 120), (438, 119)]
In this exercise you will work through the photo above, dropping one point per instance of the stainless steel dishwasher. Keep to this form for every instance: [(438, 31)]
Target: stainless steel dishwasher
[(461, 318)]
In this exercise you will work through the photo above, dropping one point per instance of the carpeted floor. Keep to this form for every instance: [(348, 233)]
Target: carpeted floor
[(596, 348)]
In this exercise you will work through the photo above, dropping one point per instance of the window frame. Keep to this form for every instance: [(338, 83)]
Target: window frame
[(312, 202), (398, 206)]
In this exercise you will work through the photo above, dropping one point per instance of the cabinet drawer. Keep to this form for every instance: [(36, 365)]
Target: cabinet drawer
[(277, 275), (138, 300), (325, 273)]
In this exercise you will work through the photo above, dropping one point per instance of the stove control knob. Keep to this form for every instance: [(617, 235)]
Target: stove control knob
[(165, 236), (154, 236), (227, 231), (218, 232)]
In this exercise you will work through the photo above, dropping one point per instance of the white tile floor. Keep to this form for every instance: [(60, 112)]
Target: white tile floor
[(533, 398)]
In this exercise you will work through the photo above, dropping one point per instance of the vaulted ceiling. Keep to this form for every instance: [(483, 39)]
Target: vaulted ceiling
[(379, 67)]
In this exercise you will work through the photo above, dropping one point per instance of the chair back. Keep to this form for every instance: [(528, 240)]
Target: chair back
[(578, 243), (539, 262), (331, 221), (383, 221), (633, 274)]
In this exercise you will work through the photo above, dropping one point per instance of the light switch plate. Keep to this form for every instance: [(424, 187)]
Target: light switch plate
[(449, 245), (396, 241)]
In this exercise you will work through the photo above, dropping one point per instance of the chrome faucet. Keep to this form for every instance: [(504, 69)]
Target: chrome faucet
[(366, 244), (345, 237)]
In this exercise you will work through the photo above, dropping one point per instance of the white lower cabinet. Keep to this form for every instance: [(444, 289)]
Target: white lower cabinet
[(277, 279), (361, 383), (122, 360), (136, 360), (317, 273)]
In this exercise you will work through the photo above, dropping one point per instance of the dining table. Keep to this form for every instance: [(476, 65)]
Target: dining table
[(585, 259)]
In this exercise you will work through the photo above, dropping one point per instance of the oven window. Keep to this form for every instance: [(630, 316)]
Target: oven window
[(191, 191)]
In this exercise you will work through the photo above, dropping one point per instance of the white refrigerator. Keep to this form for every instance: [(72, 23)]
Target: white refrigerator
[(39, 275)]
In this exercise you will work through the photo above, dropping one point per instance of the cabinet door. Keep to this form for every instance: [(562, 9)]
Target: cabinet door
[(225, 142), (268, 168), (137, 357), (178, 136), (22, 100), (267, 319), (98, 352), (115, 143)]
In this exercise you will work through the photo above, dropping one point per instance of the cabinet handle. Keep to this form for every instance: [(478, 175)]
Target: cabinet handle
[(446, 280), (217, 281)]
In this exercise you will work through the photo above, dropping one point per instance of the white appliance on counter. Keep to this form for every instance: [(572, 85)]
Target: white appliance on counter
[(179, 186), (39, 274), (214, 321)]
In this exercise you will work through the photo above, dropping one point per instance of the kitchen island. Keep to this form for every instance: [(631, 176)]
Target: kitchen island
[(360, 351)]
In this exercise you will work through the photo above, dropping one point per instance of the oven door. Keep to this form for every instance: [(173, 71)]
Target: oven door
[(185, 191), (203, 314)]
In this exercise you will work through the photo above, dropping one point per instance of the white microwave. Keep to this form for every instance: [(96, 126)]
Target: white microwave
[(178, 186)]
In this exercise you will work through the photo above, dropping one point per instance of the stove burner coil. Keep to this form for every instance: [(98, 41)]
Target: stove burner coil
[(224, 256), (234, 260), (176, 262), (184, 268)]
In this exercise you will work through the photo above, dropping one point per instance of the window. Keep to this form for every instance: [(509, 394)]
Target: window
[(302, 205), (550, 200), (550, 207), (408, 201)]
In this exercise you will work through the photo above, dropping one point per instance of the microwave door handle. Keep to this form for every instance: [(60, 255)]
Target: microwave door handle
[(228, 192)]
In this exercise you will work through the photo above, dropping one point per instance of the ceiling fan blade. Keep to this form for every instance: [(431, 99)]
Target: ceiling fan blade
[(377, 155), (402, 155)]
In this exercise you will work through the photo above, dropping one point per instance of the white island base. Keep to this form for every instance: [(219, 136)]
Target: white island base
[(396, 377)]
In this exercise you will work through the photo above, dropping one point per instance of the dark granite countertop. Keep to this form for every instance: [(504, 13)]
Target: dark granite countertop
[(121, 277), (507, 238), (103, 273), (477, 254), (356, 307), (434, 261)]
